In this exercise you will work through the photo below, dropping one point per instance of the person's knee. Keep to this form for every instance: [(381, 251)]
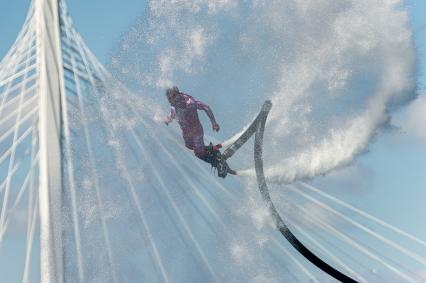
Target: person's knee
[(189, 143), (200, 152)]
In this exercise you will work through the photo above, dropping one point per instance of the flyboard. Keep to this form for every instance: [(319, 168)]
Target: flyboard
[(257, 128)]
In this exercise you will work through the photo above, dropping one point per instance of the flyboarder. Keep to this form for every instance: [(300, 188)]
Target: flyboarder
[(184, 108)]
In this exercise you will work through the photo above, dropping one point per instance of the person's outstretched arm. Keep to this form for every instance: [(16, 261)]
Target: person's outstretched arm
[(209, 112), (171, 116)]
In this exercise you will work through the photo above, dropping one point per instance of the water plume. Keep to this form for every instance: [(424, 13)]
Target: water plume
[(333, 70)]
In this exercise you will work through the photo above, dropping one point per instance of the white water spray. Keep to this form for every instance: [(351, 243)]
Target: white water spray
[(333, 70)]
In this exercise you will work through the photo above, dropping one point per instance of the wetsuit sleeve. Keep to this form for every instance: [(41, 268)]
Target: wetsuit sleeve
[(171, 116), (207, 109)]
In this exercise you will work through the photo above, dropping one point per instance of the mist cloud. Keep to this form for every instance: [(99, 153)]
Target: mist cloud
[(334, 71)]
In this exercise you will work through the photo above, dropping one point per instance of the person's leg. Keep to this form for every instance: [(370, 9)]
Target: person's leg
[(199, 147), (209, 154), (189, 142), (196, 143)]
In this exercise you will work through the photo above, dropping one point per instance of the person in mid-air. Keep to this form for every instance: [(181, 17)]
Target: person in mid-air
[(184, 107)]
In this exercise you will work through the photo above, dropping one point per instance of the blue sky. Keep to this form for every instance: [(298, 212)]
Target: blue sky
[(102, 33), (387, 181)]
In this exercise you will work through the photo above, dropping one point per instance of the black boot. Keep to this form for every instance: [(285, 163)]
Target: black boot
[(217, 160), (212, 155)]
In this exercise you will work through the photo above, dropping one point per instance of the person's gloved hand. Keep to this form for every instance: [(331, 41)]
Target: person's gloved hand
[(216, 127)]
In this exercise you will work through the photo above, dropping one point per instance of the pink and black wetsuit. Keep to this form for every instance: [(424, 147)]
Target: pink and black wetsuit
[(192, 130)]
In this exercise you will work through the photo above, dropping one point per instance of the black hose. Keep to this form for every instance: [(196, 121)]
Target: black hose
[(257, 128)]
